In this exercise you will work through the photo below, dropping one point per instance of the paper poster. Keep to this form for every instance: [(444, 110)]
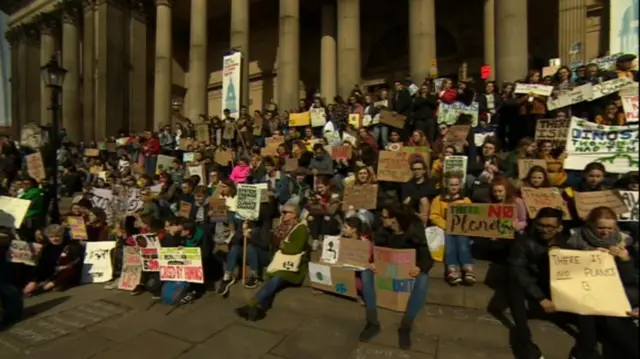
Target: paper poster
[(320, 273), (481, 220), (448, 113), (188, 157), (163, 163), (586, 201), (630, 199), (536, 89), (131, 269), (393, 283), (630, 106), (12, 211), (248, 201), (536, 199), (318, 116), (454, 164), (524, 166), (299, 119), (570, 97), (231, 84), (181, 265), (24, 252), (35, 166), (96, 267), (586, 283), (608, 87), (330, 249), (78, 228), (197, 171), (616, 147), (360, 197)]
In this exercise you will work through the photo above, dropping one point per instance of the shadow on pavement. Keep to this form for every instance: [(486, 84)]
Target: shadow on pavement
[(34, 310)]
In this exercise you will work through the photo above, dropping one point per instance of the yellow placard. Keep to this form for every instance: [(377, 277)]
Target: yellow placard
[(299, 119), (355, 120)]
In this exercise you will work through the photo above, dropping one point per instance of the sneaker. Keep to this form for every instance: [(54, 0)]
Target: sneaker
[(111, 285), (225, 285), (369, 332), (453, 277), (469, 278), (251, 283), (137, 291), (404, 338)]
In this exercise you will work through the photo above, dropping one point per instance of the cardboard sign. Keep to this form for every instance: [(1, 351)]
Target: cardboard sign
[(630, 106), (481, 220), (258, 125), (524, 165), (393, 166), (393, 283), (131, 269), (318, 116), (77, 227), (388, 118), (35, 166), (27, 253), (586, 283), (616, 147), (587, 201), (91, 152), (630, 199), (181, 265), (354, 253), (223, 158), (457, 135), (553, 130), (423, 151), (538, 198), (333, 279), (184, 210), (198, 171), (274, 141), (299, 119), (290, 164), (341, 152), (97, 265), (218, 210), (202, 133), (360, 197), (248, 205)]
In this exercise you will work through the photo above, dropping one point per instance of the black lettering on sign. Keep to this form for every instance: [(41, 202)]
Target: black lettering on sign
[(606, 272)]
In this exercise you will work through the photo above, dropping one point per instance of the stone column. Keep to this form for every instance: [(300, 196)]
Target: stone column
[(139, 76), (48, 25), (29, 67), (71, 62), (14, 38), (572, 29), (422, 38), (289, 55), (511, 40), (328, 60), (164, 53), (111, 87), (198, 76), (88, 71), (349, 63), (490, 36), (240, 12)]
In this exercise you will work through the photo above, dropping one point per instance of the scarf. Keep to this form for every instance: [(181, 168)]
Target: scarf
[(587, 238), (282, 231)]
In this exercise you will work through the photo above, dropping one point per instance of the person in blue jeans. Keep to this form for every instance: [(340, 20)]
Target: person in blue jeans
[(401, 229)]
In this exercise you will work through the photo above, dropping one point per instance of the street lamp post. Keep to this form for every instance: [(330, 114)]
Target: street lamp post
[(53, 76)]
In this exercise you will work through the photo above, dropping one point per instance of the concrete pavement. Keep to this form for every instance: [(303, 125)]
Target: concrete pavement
[(91, 322)]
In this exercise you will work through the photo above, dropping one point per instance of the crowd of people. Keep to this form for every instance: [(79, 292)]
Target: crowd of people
[(306, 181)]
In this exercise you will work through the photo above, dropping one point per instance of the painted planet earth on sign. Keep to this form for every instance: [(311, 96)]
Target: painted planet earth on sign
[(341, 288)]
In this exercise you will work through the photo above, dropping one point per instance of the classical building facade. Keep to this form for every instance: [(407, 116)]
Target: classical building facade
[(128, 61)]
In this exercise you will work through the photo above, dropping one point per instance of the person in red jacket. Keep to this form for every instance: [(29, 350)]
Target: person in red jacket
[(151, 150), (447, 94)]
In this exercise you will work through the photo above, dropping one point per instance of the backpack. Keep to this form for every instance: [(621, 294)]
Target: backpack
[(173, 292)]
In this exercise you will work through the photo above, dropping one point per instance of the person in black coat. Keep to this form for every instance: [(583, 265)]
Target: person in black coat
[(401, 229), (425, 105)]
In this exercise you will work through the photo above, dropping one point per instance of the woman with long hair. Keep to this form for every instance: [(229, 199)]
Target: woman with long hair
[(526, 149), (555, 163), (503, 192), (401, 229), (536, 178), (618, 335)]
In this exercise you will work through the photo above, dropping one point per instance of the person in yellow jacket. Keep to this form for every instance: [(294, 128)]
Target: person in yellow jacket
[(457, 249), (437, 167)]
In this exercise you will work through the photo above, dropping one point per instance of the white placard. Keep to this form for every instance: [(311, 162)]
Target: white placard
[(455, 164), (537, 89), (320, 273), (12, 211), (318, 116), (630, 106), (568, 98), (248, 201), (24, 252), (330, 249), (630, 198), (96, 267), (609, 87)]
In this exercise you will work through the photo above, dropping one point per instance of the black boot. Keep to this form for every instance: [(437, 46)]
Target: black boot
[(256, 313), (404, 333), (243, 312), (372, 328)]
